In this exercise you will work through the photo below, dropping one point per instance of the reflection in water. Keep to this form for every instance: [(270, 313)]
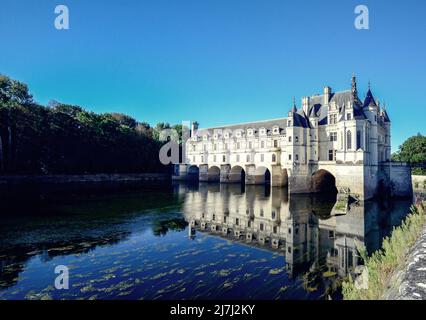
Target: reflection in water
[(205, 241)]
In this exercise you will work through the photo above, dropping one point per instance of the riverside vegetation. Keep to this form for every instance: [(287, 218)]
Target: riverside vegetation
[(384, 263), (66, 139)]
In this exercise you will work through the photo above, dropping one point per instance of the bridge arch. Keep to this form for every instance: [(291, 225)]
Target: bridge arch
[(213, 174), (193, 173), (324, 182), (237, 174), (262, 175)]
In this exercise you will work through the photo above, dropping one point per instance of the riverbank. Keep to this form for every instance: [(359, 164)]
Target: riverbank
[(12, 185), (380, 275)]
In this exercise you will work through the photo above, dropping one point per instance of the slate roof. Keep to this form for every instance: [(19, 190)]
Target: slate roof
[(316, 109), (267, 124), (369, 100)]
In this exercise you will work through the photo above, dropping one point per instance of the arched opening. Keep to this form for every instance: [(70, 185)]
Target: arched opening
[(324, 182), (262, 176), (237, 174), (193, 173), (213, 174)]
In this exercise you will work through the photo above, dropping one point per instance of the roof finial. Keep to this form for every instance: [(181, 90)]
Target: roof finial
[(354, 88)]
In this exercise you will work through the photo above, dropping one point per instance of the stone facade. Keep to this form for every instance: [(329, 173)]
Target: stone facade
[(334, 133)]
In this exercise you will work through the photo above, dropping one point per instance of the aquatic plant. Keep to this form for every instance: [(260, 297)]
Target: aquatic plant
[(384, 263)]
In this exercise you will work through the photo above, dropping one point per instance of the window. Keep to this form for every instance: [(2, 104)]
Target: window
[(223, 158), (261, 212), (358, 139), (331, 234), (214, 158), (289, 139), (297, 157), (205, 147), (237, 221), (330, 155), (214, 217), (273, 214), (193, 147), (214, 147), (296, 139), (333, 136), (262, 144), (289, 157), (349, 140), (238, 158), (249, 224), (289, 123), (261, 227), (274, 158), (349, 116), (224, 219), (262, 157), (248, 158), (238, 145), (275, 230), (250, 145), (202, 159), (275, 143), (333, 118)]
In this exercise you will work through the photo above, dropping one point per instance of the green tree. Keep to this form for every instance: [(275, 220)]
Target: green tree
[(413, 151)]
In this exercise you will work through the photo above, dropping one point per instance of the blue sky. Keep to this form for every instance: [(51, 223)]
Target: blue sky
[(217, 61)]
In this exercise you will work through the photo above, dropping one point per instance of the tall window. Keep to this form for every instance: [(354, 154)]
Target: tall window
[(262, 144), (358, 139), (223, 158), (349, 116), (274, 158), (349, 140), (289, 139), (248, 158), (275, 143), (250, 145), (262, 158), (333, 136), (330, 155)]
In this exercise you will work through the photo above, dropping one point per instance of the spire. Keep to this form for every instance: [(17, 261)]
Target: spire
[(354, 90), (294, 105)]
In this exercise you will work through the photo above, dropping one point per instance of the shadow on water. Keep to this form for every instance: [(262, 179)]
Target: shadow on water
[(277, 246)]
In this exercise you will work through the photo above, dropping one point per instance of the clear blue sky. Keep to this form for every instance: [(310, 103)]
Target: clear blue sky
[(217, 61)]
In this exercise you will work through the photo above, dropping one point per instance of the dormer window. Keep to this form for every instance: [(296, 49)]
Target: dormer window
[(205, 137), (226, 135), (238, 134), (262, 131), (250, 132), (276, 130), (215, 136)]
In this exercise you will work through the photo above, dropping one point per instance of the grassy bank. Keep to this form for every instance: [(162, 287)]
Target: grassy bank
[(383, 264)]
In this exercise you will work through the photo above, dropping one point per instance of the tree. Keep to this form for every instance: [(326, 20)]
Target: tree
[(413, 151)]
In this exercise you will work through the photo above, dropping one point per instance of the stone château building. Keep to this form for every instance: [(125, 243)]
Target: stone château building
[(333, 139)]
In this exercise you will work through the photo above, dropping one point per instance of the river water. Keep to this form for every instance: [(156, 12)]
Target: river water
[(180, 241)]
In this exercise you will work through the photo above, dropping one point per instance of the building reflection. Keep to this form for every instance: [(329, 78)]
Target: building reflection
[(300, 227)]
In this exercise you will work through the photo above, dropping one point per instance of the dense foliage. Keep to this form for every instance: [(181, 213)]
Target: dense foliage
[(413, 150), (66, 139)]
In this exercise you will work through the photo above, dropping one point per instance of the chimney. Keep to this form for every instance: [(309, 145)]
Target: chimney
[(327, 93), (305, 104)]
